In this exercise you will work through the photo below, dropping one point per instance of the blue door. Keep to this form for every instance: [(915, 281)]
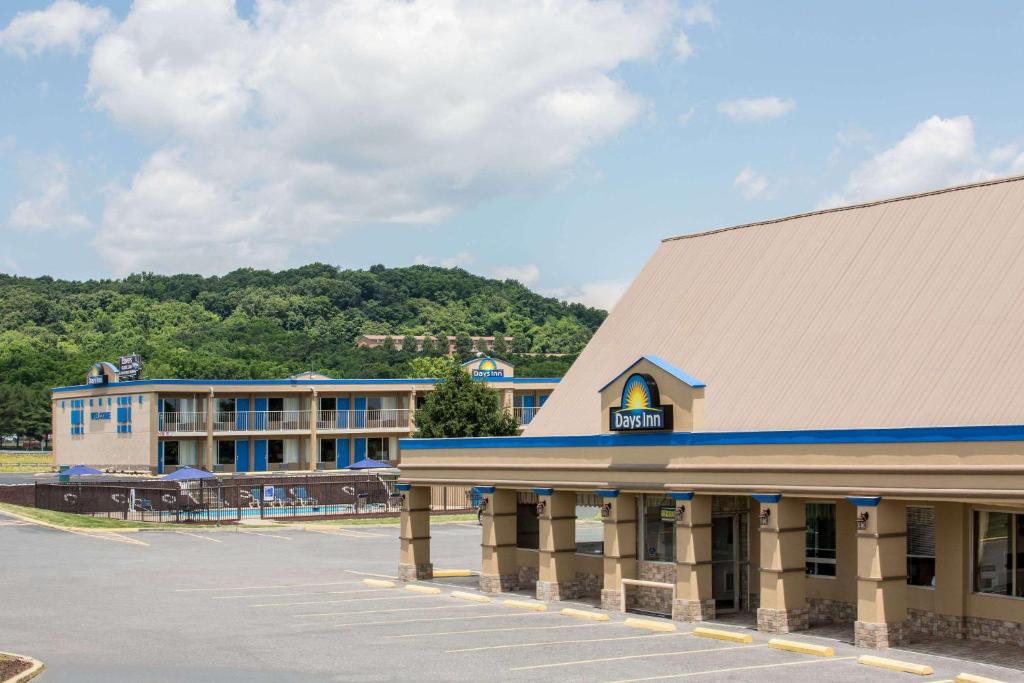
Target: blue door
[(160, 413), (360, 453), (528, 409), (259, 420), (360, 412), (260, 461), (344, 405), (242, 456), (242, 414), (342, 451), (160, 458)]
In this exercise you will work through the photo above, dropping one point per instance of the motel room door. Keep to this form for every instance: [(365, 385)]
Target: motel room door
[(725, 562)]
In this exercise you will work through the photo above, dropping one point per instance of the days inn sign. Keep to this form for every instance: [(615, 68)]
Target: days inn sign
[(640, 407), (652, 395)]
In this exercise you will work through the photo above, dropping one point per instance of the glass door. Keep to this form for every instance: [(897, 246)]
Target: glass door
[(725, 563)]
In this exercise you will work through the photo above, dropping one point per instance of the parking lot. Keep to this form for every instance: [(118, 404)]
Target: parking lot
[(282, 604)]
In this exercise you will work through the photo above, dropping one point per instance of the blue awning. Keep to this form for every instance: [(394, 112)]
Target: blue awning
[(79, 470), (188, 473), (367, 464)]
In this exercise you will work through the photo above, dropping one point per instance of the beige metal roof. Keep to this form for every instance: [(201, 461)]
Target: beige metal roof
[(905, 312)]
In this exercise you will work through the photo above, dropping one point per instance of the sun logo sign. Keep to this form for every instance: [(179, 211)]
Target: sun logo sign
[(640, 408), (487, 369)]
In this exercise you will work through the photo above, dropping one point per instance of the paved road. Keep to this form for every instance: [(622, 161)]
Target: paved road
[(287, 605)]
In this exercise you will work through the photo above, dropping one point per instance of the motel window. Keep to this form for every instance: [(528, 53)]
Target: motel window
[(657, 538), (328, 450), (275, 452), (589, 525), (921, 546), (527, 522), (378, 449), (172, 405), (820, 557), (225, 452), (171, 453), (225, 405), (999, 553)]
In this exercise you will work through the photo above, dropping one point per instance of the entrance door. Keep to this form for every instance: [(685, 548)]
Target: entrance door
[(725, 563)]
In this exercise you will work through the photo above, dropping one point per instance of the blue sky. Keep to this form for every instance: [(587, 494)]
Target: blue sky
[(553, 143)]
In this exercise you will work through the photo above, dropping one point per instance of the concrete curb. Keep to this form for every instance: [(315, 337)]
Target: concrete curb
[(526, 604), (452, 573), (801, 648), (470, 596), (583, 614), (378, 583), (972, 678), (728, 636), (426, 590), (27, 675), (896, 665), (662, 626)]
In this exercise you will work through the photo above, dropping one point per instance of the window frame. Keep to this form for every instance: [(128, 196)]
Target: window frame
[(1015, 552), (817, 561), (934, 558), (641, 528), (272, 457), (234, 451), (177, 453)]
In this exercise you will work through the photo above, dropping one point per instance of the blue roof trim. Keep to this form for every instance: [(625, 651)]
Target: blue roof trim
[(481, 490), (544, 491), (680, 495), (865, 501), (766, 498), (809, 436), (607, 493), (403, 487), (289, 382), (683, 377)]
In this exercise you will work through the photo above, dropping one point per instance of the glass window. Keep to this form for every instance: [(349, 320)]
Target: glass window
[(225, 452), (993, 558), (657, 538), (328, 450), (589, 525), (921, 546), (171, 453), (328, 403), (527, 526), (378, 449), (275, 451), (821, 539), (225, 405), (172, 405)]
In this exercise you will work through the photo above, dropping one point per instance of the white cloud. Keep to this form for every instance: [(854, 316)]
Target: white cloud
[(750, 183), (603, 294), (528, 274), (314, 117), (756, 109), (459, 260), (698, 13), (685, 117), (682, 46), (936, 153), (65, 23), (49, 207)]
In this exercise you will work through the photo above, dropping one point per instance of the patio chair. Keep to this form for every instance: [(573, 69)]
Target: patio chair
[(143, 505), (281, 498), (249, 498), (347, 509), (301, 497)]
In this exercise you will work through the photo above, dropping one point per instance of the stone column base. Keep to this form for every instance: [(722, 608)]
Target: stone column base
[(878, 636), (552, 591), (693, 610), (498, 583), (782, 620), (611, 600), (416, 572)]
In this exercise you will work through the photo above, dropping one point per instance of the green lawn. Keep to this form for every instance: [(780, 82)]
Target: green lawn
[(80, 521), (435, 519)]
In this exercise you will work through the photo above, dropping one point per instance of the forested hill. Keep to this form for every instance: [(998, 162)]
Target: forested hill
[(262, 324)]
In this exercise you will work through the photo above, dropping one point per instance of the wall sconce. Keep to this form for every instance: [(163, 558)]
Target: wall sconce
[(680, 513), (403, 503), (540, 508), (766, 514), (606, 510), (862, 520), (483, 504)]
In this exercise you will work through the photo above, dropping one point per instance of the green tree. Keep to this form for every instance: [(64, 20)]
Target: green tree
[(461, 406), (430, 366), (409, 344), (500, 348), (388, 344), (463, 346)]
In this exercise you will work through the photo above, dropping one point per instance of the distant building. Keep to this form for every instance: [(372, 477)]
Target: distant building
[(373, 341)]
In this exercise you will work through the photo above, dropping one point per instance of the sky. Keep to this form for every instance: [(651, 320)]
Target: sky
[(550, 142)]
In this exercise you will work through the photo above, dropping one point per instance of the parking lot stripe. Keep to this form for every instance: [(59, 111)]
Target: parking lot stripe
[(205, 538), (336, 602), (560, 642), (355, 533), (254, 533), (381, 576), (255, 588), (249, 596), (108, 536), (385, 611), (677, 653), (488, 630), (733, 669), (433, 619)]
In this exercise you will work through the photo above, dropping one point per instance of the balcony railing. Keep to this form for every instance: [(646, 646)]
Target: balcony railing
[(183, 422), (524, 414), (261, 421), (373, 419)]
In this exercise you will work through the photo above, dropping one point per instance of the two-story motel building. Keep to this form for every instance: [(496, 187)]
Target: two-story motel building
[(817, 419), (304, 422)]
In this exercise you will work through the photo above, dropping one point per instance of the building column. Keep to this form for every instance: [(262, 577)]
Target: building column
[(693, 601), (209, 432), (881, 572), (414, 563), (556, 512), (499, 572), (783, 524), (412, 411), (314, 418), (618, 512)]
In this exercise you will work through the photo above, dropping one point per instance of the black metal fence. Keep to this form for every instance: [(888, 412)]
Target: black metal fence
[(237, 498)]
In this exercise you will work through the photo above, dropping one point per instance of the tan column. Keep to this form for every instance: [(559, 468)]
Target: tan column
[(783, 524), (618, 512), (209, 432), (499, 572), (881, 572), (693, 600), (414, 563), (314, 418), (412, 411), (556, 554)]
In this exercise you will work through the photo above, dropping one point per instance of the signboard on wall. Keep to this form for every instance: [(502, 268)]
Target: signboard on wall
[(130, 368), (640, 408), (487, 369)]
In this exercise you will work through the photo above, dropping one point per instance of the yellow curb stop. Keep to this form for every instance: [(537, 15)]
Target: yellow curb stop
[(663, 626), (523, 604), (717, 634), (470, 596), (972, 678), (802, 648), (583, 614), (896, 665), (429, 590), (378, 583), (451, 573)]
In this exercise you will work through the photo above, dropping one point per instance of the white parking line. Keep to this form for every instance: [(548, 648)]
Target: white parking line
[(335, 602), (710, 672), (381, 576), (205, 538), (357, 533), (107, 536), (249, 596), (677, 653), (470, 605), (255, 588), (502, 615), (255, 533), (563, 642), (489, 630)]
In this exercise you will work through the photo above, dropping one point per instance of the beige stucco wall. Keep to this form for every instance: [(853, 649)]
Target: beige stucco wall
[(101, 445)]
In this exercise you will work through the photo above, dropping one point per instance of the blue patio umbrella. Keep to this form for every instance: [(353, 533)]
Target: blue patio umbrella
[(79, 469), (367, 464), (188, 473)]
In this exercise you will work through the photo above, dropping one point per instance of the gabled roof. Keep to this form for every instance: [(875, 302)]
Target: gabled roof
[(664, 365), (907, 312)]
